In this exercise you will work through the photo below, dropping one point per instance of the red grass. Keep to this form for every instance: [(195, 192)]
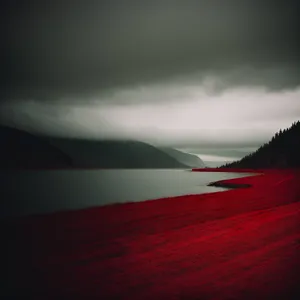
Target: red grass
[(238, 244)]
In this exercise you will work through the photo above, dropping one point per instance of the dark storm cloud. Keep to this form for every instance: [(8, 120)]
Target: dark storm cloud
[(55, 49), (217, 78)]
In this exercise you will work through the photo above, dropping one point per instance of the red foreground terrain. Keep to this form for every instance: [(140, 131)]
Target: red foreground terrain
[(239, 244)]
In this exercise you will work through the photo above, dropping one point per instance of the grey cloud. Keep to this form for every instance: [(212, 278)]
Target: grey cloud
[(91, 67), (76, 49), (236, 118)]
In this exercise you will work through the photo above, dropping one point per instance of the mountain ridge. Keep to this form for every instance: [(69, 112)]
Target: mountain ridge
[(23, 150), (188, 159), (111, 153)]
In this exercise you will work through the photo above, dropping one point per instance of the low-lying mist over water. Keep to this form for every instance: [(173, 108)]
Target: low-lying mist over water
[(35, 192)]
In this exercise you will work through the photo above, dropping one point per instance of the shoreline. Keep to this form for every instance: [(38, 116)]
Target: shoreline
[(229, 183), (220, 245)]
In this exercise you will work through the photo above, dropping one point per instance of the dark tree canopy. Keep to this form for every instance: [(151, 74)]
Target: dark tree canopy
[(282, 151)]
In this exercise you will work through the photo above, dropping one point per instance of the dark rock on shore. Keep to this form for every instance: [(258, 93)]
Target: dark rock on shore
[(229, 185)]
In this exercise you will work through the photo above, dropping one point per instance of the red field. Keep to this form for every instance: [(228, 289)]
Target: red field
[(238, 244)]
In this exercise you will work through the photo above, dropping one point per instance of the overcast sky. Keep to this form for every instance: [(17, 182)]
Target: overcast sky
[(215, 78)]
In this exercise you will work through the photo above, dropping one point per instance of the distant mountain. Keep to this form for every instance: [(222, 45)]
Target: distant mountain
[(19, 149), (114, 154), (22, 150), (282, 151), (187, 159)]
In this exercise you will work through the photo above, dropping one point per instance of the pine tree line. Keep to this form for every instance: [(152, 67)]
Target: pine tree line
[(283, 150)]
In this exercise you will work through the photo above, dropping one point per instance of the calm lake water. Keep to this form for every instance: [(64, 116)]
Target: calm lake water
[(34, 192)]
